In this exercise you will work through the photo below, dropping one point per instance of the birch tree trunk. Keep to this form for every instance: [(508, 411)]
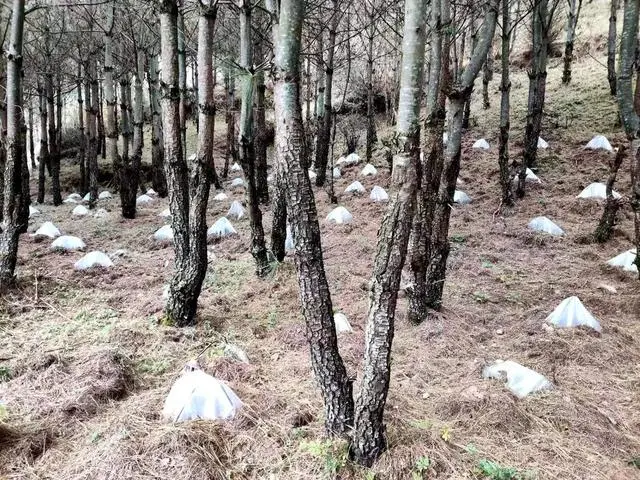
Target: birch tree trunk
[(315, 298), (457, 96), (158, 180), (10, 225), (82, 146), (611, 46), (231, 152), (182, 79), (572, 23), (260, 140), (32, 147), (505, 109), (628, 115), (128, 171), (92, 159), (487, 76), (371, 119), (324, 126), (369, 438), (43, 154), (138, 117), (245, 140), (433, 151), (54, 152)]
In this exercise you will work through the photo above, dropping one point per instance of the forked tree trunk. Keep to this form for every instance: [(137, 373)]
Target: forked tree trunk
[(245, 140), (315, 298), (505, 110), (604, 230), (432, 165), (43, 154), (158, 180), (457, 96), (611, 46), (572, 22), (369, 438), (10, 225), (188, 187), (324, 125), (628, 115), (541, 25)]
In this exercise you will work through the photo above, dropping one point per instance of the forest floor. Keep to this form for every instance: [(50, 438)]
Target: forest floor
[(85, 365)]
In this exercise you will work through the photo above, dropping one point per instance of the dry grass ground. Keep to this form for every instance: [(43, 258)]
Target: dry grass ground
[(85, 366)]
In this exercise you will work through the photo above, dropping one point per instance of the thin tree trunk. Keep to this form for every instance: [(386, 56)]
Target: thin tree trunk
[(54, 152), (604, 230), (81, 147), (138, 119), (158, 180), (128, 171), (505, 107), (247, 147), (487, 76), (572, 23), (110, 127), (32, 147), (231, 152), (324, 126), (182, 74), (371, 120), (44, 143), (10, 225), (611, 46), (92, 159), (369, 438), (260, 140), (315, 298)]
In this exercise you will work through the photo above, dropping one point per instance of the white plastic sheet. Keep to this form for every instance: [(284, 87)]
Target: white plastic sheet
[(597, 190), (33, 212), (47, 229), (151, 192), (599, 142), (106, 194), (521, 381), (237, 182), (80, 211), (236, 211), (164, 234), (355, 187), (144, 200), (481, 144), (288, 242), (543, 224), (68, 242), (369, 171), (378, 194), (342, 323), (339, 215), (165, 213), (462, 198), (236, 168), (336, 173), (221, 228), (312, 174), (625, 261), (93, 259), (572, 313), (542, 144), (220, 197), (199, 396)]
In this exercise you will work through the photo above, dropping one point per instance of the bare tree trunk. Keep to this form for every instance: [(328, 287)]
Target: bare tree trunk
[(487, 76), (92, 158), (231, 152), (54, 151), (110, 127), (128, 172), (315, 298), (182, 74), (541, 24), (432, 165), (10, 225), (44, 142), (505, 107), (572, 23), (247, 148), (32, 147), (81, 147), (371, 120), (604, 230), (369, 438), (138, 118), (188, 187), (457, 96), (611, 46), (158, 180), (628, 115), (260, 140), (324, 125)]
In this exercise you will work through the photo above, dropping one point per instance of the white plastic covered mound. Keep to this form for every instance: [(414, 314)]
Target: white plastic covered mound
[(236, 168), (144, 200), (544, 225), (220, 197), (68, 242), (71, 199), (462, 198), (93, 259), (355, 187), (47, 229), (351, 159), (74, 196), (369, 171), (151, 192), (199, 396), (530, 177), (33, 212), (101, 213), (445, 137), (481, 144), (542, 143), (237, 182), (378, 194), (164, 234), (599, 142), (288, 242), (625, 260), (312, 174), (80, 211), (339, 215), (221, 228), (336, 172), (165, 213), (87, 197), (572, 313), (107, 194), (597, 190), (521, 381), (235, 211), (342, 323)]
